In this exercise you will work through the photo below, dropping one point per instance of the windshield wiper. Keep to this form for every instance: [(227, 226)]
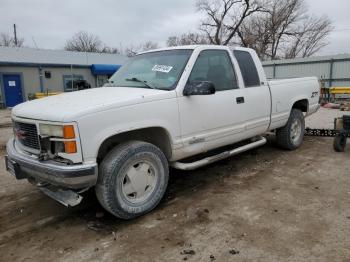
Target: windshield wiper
[(134, 79)]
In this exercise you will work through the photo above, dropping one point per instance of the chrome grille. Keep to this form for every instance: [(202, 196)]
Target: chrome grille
[(27, 134)]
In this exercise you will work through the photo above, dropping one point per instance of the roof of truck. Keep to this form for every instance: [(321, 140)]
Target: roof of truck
[(186, 47)]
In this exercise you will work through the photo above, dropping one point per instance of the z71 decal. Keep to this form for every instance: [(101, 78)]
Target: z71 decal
[(314, 94)]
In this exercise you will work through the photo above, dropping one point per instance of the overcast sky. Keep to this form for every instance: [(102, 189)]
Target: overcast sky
[(50, 22)]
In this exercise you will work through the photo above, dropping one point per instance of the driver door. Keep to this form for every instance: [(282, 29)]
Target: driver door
[(209, 121)]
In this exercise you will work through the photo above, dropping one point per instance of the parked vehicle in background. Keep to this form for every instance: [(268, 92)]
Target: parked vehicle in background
[(161, 108)]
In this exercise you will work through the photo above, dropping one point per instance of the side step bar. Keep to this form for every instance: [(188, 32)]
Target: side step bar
[(208, 160)]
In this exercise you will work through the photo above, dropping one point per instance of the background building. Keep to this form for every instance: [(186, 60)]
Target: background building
[(333, 70), (26, 71)]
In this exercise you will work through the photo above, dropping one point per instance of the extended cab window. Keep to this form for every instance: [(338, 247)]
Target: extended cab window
[(246, 64), (214, 66)]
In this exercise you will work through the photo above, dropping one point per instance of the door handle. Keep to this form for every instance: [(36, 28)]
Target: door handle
[(240, 100)]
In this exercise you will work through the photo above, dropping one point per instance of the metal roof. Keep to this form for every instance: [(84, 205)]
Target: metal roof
[(308, 59), (25, 55)]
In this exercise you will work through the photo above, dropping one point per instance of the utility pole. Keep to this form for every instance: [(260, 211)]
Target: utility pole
[(15, 34)]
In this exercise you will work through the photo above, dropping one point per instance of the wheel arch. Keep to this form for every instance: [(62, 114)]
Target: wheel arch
[(157, 136), (302, 104)]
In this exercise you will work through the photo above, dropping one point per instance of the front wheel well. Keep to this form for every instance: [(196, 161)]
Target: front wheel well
[(157, 136), (302, 105)]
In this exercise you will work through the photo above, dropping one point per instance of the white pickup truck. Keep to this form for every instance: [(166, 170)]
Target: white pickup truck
[(166, 107)]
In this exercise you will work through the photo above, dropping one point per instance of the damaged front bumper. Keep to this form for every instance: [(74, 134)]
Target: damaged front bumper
[(24, 166)]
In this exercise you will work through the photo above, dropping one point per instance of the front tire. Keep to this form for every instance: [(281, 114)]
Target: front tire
[(292, 134), (132, 179)]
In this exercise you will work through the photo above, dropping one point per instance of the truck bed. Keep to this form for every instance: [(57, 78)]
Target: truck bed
[(285, 92)]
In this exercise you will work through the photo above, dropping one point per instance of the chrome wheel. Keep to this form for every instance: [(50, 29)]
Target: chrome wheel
[(139, 181), (295, 131)]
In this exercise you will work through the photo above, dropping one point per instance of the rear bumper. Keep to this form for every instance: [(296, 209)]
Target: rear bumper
[(66, 176)]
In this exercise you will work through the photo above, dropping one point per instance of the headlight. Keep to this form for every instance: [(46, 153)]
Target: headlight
[(63, 137), (51, 130)]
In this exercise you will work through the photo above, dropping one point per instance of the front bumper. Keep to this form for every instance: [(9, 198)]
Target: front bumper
[(66, 176)]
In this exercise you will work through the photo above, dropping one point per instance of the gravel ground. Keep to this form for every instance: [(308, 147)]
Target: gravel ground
[(324, 118), (5, 134), (5, 117), (5, 127), (263, 205)]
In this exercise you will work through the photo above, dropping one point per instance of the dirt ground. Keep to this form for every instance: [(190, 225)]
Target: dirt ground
[(263, 205), (5, 127), (324, 118)]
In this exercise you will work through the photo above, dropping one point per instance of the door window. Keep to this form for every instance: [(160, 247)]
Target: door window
[(248, 69), (214, 66)]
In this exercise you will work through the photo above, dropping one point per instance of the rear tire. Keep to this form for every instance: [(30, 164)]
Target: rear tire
[(292, 134), (339, 142), (132, 180)]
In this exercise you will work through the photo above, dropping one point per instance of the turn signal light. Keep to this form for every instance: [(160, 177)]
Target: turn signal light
[(68, 132), (70, 147)]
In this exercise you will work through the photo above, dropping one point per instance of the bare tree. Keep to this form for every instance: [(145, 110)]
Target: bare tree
[(284, 30), (224, 17), (7, 40), (310, 38), (132, 50), (253, 33), (111, 50), (84, 42), (187, 39), (149, 45), (283, 16)]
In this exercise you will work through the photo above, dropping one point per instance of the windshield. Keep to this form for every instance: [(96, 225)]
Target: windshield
[(159, 70)]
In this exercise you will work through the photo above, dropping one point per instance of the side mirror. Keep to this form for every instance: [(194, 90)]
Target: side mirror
[(197, 88)]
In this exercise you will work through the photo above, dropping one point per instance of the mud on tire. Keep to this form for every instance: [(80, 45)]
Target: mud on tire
[(292, 134), (132, 180)]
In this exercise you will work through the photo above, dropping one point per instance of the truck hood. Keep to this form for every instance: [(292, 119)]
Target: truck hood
[(68, 107)]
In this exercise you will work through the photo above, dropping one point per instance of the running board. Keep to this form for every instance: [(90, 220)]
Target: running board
[(208, 160), (67, 198)]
